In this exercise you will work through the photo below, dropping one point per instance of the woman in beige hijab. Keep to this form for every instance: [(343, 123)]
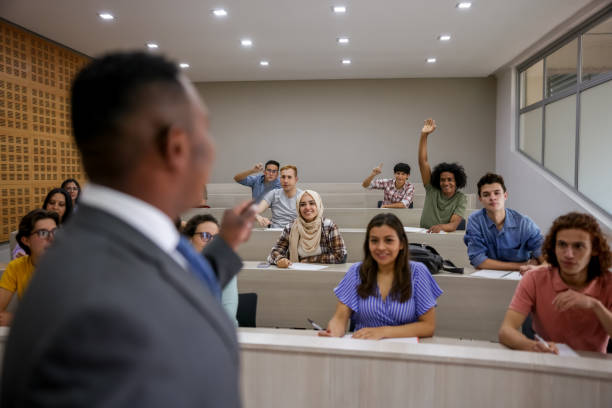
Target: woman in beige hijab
[(310, 238)]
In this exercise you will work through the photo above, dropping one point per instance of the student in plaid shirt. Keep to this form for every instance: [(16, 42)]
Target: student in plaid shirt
[(310, 238), (398, 192)]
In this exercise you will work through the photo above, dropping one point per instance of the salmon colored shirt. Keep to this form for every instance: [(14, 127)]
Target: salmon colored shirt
[(578, 328)]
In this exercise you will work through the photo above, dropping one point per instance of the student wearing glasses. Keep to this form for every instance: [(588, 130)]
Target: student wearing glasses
[(201, 229), (36, 232), (74, 189), (260, 178)]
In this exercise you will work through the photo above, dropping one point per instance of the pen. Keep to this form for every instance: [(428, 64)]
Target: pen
[(316, 326), (541, 340)]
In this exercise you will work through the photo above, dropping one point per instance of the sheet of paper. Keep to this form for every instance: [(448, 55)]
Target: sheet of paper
[(414, 229), (307, 267), (490, 273), (412, 340), (565, 350), (513, 276)]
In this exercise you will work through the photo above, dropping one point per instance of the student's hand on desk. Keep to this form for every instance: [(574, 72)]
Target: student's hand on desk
[(435, 229), (334, 329), (571, 299), (523, 269), (263, 221), (6, 318), (369, 333), (541, 347), (283, 263), (429, 126), (237, 223)]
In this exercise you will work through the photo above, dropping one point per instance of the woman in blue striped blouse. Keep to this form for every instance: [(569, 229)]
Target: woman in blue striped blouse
[(386, 295)]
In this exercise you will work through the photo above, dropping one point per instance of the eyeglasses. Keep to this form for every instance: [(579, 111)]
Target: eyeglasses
[(45, 233), (71, 189), (271, 171), (206, 236)]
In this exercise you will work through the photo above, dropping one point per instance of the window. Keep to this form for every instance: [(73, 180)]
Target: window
[(564, 117)]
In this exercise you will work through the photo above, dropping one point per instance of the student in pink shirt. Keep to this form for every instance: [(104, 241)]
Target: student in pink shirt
[(571, 298)]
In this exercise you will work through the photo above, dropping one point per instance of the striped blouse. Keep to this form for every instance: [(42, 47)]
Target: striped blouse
[(374, 312)]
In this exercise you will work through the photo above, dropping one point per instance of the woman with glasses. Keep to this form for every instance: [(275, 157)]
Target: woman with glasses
[(58, 201), (74, 189), (36, 232), (200, 230), (310, 238)]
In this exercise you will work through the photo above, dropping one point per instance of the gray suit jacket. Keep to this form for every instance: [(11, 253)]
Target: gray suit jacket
[(110, 320)]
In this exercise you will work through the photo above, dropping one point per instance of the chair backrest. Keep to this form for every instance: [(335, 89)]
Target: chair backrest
[(247, 310)]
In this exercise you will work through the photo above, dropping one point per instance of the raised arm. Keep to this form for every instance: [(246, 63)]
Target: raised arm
[(241, 176), (375, 172), (428, 127)]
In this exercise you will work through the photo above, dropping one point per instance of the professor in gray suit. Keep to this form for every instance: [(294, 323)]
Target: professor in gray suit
[(119, 312)]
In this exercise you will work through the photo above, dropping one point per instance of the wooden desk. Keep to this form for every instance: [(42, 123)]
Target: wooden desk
[(471, 307), (300, 369), (235, 188)]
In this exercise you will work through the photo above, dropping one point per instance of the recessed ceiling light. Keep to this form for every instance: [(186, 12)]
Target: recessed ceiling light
[(152, 46), (246, 42), (346, 61), (464, 5), (184, 65), (219, 12), (264, 63), (431, 60), (106, 16), (444, 37), (339, 9), (343, 40)]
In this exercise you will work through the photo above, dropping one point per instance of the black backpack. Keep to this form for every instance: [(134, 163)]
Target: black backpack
[(432, 259)]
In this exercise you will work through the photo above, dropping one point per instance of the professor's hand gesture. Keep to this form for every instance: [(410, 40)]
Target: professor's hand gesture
[(237, 223), (429, 126)]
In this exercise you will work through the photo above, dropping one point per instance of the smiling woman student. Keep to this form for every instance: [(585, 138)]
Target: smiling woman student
[(310, 238), (386, 295)]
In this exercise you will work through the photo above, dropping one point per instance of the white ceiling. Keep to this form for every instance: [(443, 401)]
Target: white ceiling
[(389, 38)]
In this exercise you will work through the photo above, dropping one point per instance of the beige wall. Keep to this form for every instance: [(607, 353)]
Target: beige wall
[(338, 130)]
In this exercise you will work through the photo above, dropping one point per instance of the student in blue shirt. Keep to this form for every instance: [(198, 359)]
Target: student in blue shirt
[(386, 295), (260, 183), (498, 237)]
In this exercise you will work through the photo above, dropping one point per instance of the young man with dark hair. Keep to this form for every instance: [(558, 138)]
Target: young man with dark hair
[(260, 183), (281, 201), (570, 298), (444, 207), (398, 192), (116, 313), (498, 237)]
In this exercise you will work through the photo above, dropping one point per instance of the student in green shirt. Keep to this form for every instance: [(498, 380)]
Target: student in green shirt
[(444, 207)]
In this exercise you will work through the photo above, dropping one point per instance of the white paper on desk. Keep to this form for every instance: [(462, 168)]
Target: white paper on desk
[(421, 230), (513, 276), (306, 267), (273, 229), (565, 350), (411, 340), (490, 273)]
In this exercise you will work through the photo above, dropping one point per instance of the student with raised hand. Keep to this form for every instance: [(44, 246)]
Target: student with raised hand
[(35, 234), (282, 202), (200, 230), (498, 237), (310, 238), (398, 192), (444, 206), (571, 298), (386, 295), (260, 183)]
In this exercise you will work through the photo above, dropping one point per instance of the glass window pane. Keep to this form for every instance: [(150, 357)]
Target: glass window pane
[(530, 134), (597, 50), (561, 68), (532, 81), (595, 166), (560, 138)]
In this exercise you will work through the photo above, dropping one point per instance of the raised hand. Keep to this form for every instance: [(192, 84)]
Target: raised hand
[(258, 167), (377, 170), (429, 126)]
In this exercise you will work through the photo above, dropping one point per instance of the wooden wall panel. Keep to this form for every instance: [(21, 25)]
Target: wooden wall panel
[(37, 151)]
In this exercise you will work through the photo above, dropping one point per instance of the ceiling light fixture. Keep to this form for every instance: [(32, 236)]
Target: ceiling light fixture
[(431, 60), (106, 16), (184, 65), (339, 9), (246, 42), (343, 40), (444, 37), (264, 63), (219, 12), (152, 46), (464, 5), (346, 61)]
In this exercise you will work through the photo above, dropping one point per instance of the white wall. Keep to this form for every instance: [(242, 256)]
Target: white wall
[(532, 190), (338, 130)]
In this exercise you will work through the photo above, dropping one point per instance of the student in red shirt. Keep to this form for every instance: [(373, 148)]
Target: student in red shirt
[(571, 298)]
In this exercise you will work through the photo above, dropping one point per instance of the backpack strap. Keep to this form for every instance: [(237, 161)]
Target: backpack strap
[(448, 266)]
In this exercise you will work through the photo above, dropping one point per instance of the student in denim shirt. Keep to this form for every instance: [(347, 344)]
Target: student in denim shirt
[(260, 183)]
